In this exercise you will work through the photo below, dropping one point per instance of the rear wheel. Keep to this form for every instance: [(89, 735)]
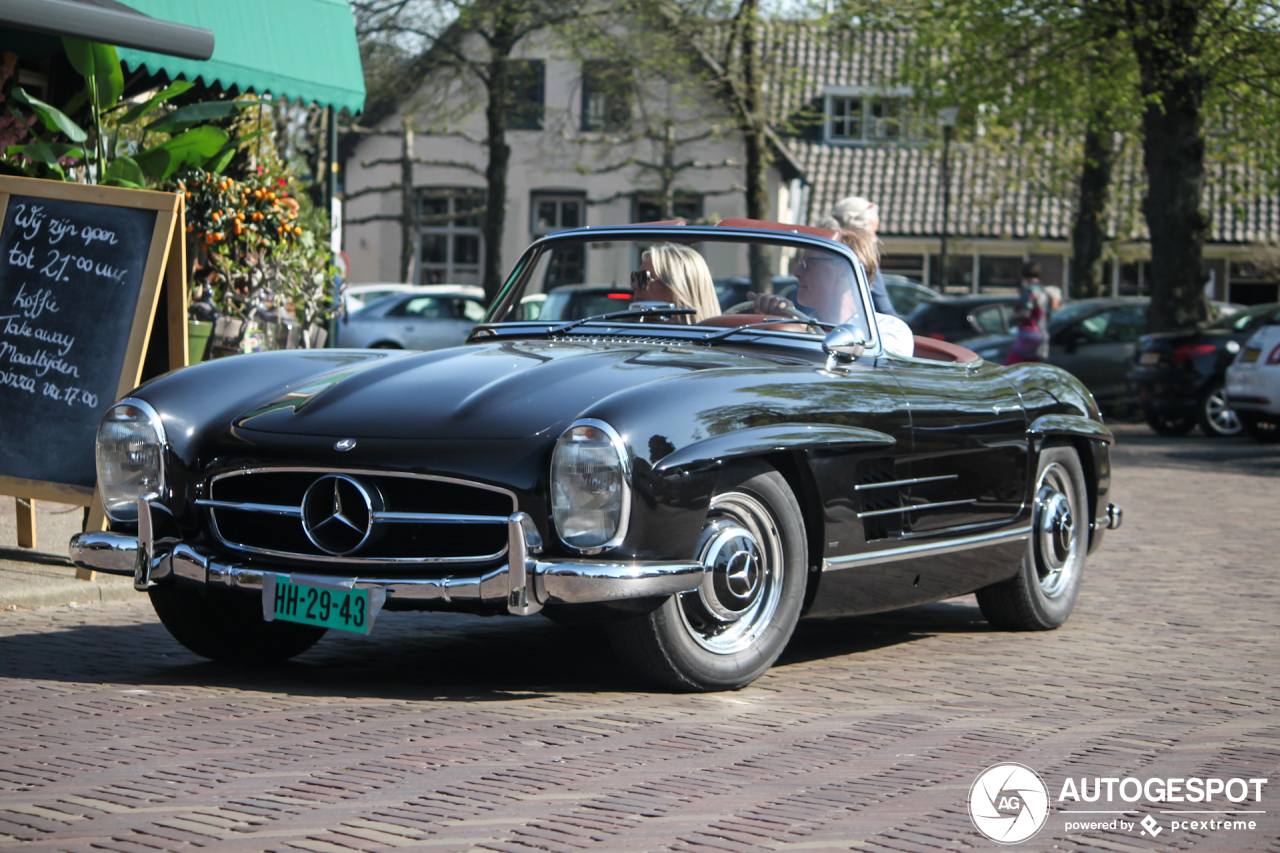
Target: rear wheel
[(385, 345), (1165, 424), (1264, 428), (1217, 418), (229, 628), (726, 633), (1043, 593)]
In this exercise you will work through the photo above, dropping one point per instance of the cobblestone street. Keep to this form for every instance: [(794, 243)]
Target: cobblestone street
[(454, 733)]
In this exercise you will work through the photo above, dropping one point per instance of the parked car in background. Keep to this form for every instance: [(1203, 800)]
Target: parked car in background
[(1178, 378), (906, 295), (1253, 382), (960, 318), (1092, 339), (357, 296), (573, 302), (414, 320)]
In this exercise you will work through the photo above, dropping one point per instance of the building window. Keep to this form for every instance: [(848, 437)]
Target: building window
[(528, 79), (688, 206), (907, 266), (997, 273), (866, 118), (450, 242), (552, 213), (606, 95)]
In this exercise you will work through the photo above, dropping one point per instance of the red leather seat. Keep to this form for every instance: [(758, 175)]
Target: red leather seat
[(937, 350)]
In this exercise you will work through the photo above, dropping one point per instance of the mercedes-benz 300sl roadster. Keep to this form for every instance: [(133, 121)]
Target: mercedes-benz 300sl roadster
[(695, 482)]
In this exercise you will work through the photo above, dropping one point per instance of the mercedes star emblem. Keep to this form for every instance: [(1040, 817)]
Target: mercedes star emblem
[(337, 513), (345, 444)]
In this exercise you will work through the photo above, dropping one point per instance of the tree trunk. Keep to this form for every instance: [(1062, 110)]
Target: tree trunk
[(496, 171), (1173, 153), (757, 143), (1089, 233), (408, 208)]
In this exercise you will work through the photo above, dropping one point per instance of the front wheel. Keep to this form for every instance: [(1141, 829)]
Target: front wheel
[(1042, 594), (229, 628), (726, 633)]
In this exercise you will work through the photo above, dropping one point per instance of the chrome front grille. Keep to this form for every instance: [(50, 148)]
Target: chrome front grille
[(410, 518)]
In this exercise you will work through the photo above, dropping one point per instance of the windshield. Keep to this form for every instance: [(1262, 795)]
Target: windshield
[(1245, 320), (575, 279)]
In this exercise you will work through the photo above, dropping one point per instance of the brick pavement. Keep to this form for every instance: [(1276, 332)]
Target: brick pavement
[(451, 733)]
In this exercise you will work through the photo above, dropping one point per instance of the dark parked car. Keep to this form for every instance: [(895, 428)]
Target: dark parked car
[(960, 318), (906, 295), (413, 320), (573, 302), (1178, 377), (693, 489), (1092, 339)]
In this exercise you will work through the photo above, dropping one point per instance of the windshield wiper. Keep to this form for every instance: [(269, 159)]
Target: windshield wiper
[(648, 310), (720, 336)]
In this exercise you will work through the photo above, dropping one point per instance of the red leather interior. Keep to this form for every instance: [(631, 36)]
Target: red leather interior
[(785, 324), (943, 351)]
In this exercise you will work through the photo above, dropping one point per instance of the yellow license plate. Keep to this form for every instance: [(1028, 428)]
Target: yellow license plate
[(1250, 354)]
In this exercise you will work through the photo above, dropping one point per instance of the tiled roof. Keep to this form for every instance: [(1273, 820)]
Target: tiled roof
[(1011, 195)]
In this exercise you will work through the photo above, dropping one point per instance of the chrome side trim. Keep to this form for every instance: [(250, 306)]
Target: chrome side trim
[(277, 509), (1115, 516), (390, 518), (584, 582), (887, 483), (914, 507), (889, 555)]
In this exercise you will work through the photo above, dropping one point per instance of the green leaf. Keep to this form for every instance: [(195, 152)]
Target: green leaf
[(80, 54), (52, 117), (191, 149), (138, 110), (46, 154), (121, 182), (185, 117), (221, 159), (126, 170)]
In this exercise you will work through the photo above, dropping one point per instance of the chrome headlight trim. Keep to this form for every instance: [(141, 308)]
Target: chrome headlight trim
[(624, 463), (157, 426)]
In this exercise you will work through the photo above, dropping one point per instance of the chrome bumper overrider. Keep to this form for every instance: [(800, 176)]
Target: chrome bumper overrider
[(525, 583)]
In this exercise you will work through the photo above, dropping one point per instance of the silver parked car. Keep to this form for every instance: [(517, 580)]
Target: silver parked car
[(422, 321)]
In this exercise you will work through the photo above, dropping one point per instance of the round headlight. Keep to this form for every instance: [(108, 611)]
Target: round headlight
[(130, 456), (590, 495)]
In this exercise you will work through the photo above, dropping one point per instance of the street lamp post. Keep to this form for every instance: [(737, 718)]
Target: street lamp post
[(947, 116)]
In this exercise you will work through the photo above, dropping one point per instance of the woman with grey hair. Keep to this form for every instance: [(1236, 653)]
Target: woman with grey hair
[(862, 214), (677, 274)]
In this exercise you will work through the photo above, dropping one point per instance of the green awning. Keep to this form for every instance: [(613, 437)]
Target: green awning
[(295, 49)]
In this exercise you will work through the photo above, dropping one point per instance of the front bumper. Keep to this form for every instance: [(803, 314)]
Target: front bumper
[(524, 584)]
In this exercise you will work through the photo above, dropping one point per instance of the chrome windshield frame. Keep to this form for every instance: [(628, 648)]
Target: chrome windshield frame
[(682, 234)]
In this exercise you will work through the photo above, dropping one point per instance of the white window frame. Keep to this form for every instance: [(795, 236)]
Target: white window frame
[(450, 230), (867, 95)]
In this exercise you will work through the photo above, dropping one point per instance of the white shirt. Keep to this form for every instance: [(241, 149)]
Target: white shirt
[(896, 336)]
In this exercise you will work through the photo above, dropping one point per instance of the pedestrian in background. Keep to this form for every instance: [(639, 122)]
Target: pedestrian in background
[(862, 214), (1031, 340)]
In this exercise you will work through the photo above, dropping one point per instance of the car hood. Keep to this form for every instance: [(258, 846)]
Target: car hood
[(480, 391)]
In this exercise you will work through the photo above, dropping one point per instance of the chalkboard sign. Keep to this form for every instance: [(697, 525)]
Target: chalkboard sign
[(80, 277)]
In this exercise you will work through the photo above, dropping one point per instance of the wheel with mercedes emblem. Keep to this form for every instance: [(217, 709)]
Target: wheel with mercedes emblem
[(1042, 594), (726, 633), (228, 627)]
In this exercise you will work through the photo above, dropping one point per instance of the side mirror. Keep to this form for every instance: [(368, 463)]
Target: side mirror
[(842, 345)]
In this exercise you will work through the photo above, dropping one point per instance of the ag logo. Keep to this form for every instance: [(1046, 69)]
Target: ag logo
[(1008, 803)]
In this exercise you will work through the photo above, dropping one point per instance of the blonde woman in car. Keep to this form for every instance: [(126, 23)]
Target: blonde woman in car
[(677, 274)]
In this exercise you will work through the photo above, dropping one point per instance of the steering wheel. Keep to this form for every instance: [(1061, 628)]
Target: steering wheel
[(750, 308)]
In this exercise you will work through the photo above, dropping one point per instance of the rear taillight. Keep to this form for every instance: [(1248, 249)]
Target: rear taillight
[(1274, 358), (938, 336), (1186, 352)]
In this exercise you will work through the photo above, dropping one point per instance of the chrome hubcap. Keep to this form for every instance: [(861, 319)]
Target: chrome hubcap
[(1221, 415), (1057, 535), (742, 552)]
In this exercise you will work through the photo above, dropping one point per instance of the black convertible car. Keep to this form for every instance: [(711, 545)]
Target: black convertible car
[(696, 488)]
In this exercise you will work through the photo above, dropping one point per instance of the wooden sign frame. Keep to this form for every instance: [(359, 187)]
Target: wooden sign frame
[(166, 268)]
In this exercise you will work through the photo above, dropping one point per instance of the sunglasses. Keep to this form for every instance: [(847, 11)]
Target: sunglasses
[(641, 279)]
